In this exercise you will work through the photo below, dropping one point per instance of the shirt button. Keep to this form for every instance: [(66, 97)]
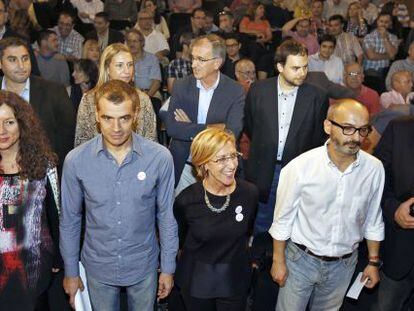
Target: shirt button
[(119, 256), (117, 203), (118, 182), (119, 240), (119, 222)]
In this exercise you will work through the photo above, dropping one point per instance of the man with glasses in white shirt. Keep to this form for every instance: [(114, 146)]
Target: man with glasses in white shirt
[(328, 200)]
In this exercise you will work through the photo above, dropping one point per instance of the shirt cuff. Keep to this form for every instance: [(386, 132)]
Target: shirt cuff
[(72, 269), (168, 266), (278, 233), (376, 234)]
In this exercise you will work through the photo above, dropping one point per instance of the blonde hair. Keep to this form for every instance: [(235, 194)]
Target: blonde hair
[(87, 45), (106, 58), (206, 145)]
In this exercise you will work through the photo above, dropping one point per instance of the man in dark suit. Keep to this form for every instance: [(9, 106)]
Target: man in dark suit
[(206, 98), (49, 100), (102, 33), (396, 151), (283, 118)]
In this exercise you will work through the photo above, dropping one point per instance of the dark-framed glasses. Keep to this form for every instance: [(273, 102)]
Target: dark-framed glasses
[(225, 159), (201, 59), (350, 130)]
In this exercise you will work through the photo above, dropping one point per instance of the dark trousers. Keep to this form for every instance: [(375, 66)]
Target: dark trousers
[(237, 303)]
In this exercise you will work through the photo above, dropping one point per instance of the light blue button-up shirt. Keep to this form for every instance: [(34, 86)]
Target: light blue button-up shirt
[(25, 94), (123, 205)]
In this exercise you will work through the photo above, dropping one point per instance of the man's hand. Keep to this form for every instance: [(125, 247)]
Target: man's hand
[(372, 274), (71, 286), (181, 116), (165, 285), (402, 215), (279, 273)]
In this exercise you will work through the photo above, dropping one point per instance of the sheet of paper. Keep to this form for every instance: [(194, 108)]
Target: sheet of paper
[(356, 288), (82, 302)]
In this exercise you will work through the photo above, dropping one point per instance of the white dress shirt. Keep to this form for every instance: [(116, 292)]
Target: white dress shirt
[(327, 210), (332, 67), (155, 42), (25, 94), (204, 100), (285, 105), (90, 8)]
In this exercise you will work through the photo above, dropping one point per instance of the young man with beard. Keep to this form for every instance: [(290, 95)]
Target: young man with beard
[(328, 200), (283, 118)]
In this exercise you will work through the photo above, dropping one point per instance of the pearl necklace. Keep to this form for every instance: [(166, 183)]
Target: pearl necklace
[(212, 208)]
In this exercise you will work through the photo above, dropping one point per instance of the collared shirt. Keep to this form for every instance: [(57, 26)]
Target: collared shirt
[(204, 100), (91, 8), (394, 98), (374, 41), (25, 94), (71, 45), (147, 69), (330, 8), (103, 40), (285, 106), (327, 210), (347, 48), (155, 42), (370, 99), (179, 68), (123, 205), (333, 67)]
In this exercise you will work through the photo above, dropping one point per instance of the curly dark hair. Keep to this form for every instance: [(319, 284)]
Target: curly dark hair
[(34, 155)]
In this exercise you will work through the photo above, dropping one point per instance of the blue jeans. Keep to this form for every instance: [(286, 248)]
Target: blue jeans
[(322, 284), (264, 216), (141, 296)]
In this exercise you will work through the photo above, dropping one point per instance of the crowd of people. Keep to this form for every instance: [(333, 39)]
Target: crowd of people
[(206, 155)]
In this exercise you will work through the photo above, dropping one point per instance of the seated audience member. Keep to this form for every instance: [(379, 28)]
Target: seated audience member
[(85, 76), (256, 25), (91, 51), (22, 26), (103, 33), (29, 221), (233, 46), (335, 7), (49, 100), (302, 34), (398, 10), (401, 90), (277, 14), (155, 42), (245, 72), (239, 9), (226, 22), (353, 79), (369, 11), (180, 67), (70, 41), (147, 73), (121, 13), (211, 275), (116, 63), (179, 6), (87, 9), (209, 26), (380, 47), (355, 22), (312, 266), (318, 23), (302, 9), (326, 61), (402, 64), (52, 66), (347, 46), (160, 24)]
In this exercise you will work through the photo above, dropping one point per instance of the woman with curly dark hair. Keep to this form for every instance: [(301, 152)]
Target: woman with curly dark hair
[(29, 207)]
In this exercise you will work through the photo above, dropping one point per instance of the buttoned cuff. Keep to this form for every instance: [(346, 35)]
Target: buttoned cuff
[(168, 266), (72, 269)]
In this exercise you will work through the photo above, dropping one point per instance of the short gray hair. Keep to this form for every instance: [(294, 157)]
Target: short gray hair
[(218, 45)]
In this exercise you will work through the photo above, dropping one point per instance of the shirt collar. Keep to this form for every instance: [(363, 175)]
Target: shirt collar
[(25, 89), (280, 92), (212, 88), (329, 162), (136, 148)]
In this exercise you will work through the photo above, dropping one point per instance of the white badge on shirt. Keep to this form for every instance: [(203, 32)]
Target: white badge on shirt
[(141, 176)]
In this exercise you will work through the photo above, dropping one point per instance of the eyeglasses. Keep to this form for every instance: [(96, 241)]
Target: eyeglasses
[(350, 130), (201, 60), (224, 159), (248, 72), (354, 73)]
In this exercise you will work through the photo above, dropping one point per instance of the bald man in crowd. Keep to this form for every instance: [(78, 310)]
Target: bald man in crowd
[(245, 72), (328, 200), (401, 93)]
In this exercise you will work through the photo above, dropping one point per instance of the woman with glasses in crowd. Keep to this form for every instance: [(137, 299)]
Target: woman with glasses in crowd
[(116, 63), (215, 217), (29, 195)]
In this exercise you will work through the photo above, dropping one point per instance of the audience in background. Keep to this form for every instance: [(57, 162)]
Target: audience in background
[(91, 50)]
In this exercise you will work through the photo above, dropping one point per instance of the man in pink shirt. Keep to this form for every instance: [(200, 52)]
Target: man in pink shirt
[(353, 78), (401, 93), (302, 33)]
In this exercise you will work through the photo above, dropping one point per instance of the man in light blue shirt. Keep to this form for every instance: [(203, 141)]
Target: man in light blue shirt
[(127, 184)]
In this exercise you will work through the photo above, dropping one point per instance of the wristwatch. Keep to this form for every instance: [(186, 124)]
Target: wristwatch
[(376, 263)]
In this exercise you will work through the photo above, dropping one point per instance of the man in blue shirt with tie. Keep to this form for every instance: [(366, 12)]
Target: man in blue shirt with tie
[(127, 184)]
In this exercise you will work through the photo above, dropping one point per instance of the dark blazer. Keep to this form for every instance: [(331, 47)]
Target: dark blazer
[(333, 90), (52, 105), (396, 151), (226, 106), (114, 36), (261, 126)]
